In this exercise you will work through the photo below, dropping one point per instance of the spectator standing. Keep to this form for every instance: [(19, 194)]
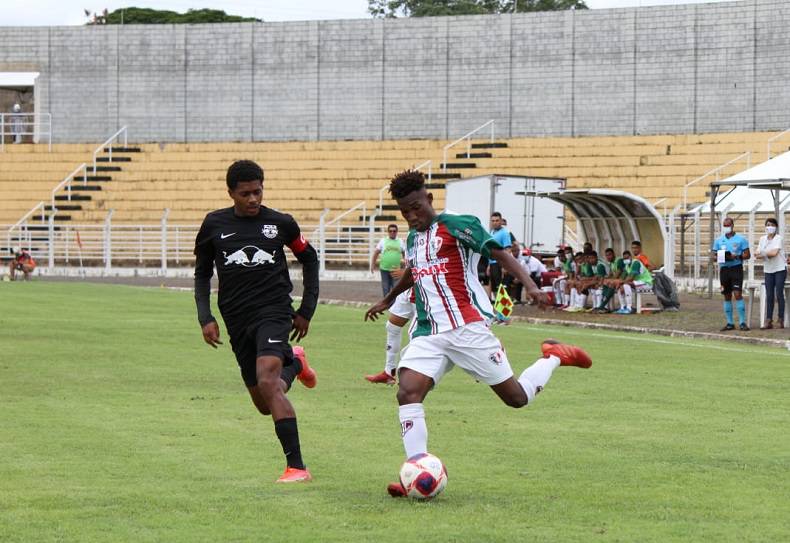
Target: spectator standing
[(771, 251), (388, 257), (17, 123), (729, 251), (502, 236)]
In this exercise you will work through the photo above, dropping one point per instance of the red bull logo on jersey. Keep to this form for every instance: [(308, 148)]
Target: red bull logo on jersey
[(440, 268), (248, 256)]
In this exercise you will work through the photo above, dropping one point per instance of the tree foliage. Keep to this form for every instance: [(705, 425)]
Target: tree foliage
[(133, 16), (434, 8)]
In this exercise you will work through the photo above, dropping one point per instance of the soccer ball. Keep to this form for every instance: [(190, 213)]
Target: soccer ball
[(423, 476)]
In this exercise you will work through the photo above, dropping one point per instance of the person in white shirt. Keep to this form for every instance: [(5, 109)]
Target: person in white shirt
[(771, 251)]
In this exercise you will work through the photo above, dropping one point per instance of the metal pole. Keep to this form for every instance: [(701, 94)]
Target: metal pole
[(714, 191), (108, 241), (371, 233), (322, 241), (51, 237), (683, 218), (164, 241), (697, 244), (751, 238)]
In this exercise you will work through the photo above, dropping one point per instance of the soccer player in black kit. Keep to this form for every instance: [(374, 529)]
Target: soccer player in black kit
[(246, 244)]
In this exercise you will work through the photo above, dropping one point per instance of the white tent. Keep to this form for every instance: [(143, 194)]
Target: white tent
[(772, 177)]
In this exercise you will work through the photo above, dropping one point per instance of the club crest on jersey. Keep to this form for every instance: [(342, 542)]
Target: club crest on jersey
[(496, 357), (437, 244), (269, 230), (248, 256)]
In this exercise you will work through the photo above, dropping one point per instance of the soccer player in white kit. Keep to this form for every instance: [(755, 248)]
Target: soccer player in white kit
[(401, 312), (452, 308)]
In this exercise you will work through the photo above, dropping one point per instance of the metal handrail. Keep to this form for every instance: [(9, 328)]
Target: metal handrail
[(747, 154), (774, 138), (361, 204), (468, 139), (24, 219), (67, 183), (428, 163), (101, 147), (38, 127)]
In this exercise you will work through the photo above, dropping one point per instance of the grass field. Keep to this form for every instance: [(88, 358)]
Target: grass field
[(118, 424)]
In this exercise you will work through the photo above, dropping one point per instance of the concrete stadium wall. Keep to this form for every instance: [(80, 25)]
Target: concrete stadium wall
[(655, 70)]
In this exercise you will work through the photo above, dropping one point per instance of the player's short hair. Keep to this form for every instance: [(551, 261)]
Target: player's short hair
[(569, 248), (771, 220), (593, 253), (579, 255), (406, 182), (496, 214), (609, 250), (242, 171), (627, 252), (389, 226), (637, 243)]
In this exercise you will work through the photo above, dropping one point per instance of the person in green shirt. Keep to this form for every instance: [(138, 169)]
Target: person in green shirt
[(613, 281), (637, 275), (391, 252)]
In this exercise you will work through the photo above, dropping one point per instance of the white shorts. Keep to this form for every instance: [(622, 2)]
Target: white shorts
[(473, 348), (402, 306)]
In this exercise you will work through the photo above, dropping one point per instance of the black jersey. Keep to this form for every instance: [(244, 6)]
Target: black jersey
[(249, 255)]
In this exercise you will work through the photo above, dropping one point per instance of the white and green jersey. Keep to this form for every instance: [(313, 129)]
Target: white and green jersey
[(640, 272), (443, 261)]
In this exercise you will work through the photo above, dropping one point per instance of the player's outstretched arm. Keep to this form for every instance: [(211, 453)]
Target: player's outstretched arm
[(512, 266), (405, 283)]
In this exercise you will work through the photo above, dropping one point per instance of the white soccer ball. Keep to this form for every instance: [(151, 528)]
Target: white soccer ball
[(423, 476)]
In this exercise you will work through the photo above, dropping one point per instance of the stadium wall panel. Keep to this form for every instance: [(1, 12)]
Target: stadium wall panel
[(699, 68)]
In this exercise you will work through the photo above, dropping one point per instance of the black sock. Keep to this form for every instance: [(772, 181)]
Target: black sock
[(288, 434), (608, 292), (289, 372)]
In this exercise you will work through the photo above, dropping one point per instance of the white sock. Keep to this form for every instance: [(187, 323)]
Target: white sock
[(621, 299), (413, 429), (535, 377), (628, 297), (581, 300), (393, 347), (557, 293), (574, 298), (597, 297)]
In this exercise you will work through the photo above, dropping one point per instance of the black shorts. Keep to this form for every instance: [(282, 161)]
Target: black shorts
[(731, 279), (265, 337), (496, 275)]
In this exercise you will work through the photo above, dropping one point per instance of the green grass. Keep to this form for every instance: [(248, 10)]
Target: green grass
[(118, 424)]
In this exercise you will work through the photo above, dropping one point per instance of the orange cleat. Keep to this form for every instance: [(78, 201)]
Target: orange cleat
[(383, 377), (307, 376), (294, 475), (396, 490), (569, 355)]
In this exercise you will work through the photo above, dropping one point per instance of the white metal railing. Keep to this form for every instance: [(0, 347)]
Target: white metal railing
[(22, 227), (15, 126), (773, 139), (160, 245), (468, 138), (427, 164), (108, 144), (717, 172), (66, 183)]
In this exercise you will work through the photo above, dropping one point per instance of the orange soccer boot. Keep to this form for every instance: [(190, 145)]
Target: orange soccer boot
[(569, 355), (383, 378), (307, 376), (295, 475)]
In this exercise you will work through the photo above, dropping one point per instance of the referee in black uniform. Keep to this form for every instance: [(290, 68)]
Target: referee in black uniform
[(246, 243)]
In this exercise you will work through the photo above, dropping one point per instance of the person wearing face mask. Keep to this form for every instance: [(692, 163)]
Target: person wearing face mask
[(771, 251), (735, 250)]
